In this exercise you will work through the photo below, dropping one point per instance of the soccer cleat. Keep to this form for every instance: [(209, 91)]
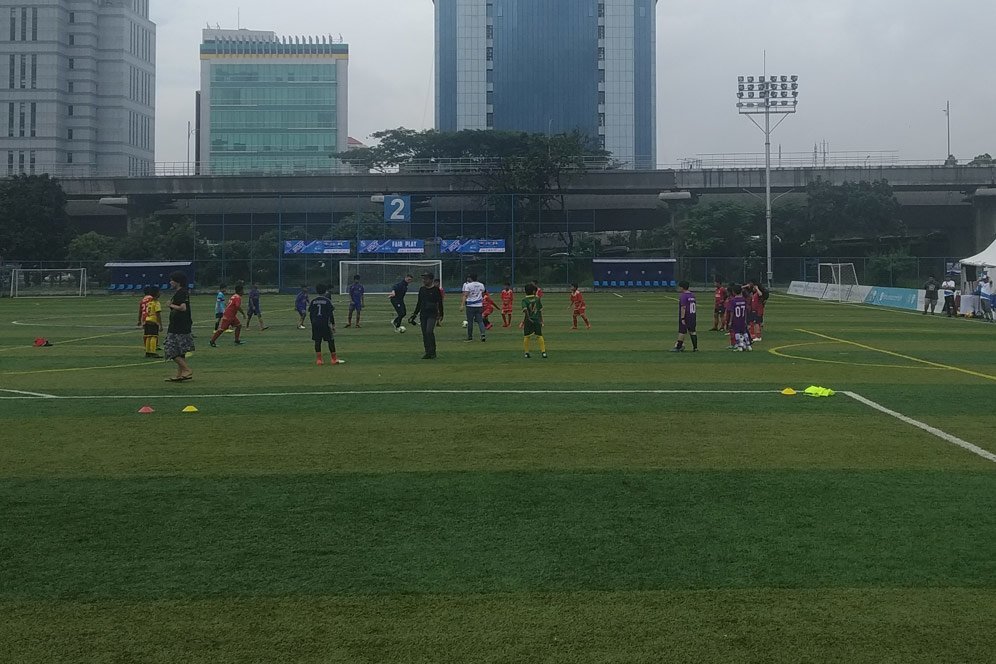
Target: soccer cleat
[(757, 339), (213, 344), (263, 329), (427, 357), (483, 339), (320, 362), (300, 327), (467, 339), (239, 343), (527, 356), (358, 325), (349, 325), (677, 350)]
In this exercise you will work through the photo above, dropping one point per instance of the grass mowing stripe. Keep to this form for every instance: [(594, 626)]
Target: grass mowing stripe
[(752, 626), (494, 532)]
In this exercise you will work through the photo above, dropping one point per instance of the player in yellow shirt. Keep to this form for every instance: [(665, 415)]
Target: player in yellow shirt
[(532, 320), (153, 323)]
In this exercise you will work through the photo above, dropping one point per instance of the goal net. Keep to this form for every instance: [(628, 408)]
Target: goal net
[(27, 282), (840, 278), (379, 277)]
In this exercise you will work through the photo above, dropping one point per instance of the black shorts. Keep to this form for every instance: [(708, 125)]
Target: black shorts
[(150, 329), (529, 327), (321, 333)]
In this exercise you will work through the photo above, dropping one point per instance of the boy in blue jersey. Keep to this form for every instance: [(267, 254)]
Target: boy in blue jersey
[(219, 305), (254, 308), (301, 306), (321, 311), (356, 291)]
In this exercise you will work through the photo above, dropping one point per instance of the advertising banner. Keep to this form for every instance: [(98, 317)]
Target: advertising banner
[(472, 247), (293, 247), (392, 246), (897, 298)]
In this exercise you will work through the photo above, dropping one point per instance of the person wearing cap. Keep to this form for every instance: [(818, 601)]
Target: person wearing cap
[(429, 309), (986, 297), (948, 286)]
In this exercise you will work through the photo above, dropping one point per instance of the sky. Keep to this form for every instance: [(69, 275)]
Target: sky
[(874, 75)]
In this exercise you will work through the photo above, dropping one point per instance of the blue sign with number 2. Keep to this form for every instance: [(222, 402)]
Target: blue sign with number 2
[(397, 208)]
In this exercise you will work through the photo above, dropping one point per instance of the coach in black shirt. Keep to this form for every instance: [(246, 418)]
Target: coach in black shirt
[(430, 310), (397, 298)]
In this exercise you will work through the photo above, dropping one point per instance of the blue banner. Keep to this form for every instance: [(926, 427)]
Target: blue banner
[(316, 247), (898, 298), (392, 246), (472, 247)]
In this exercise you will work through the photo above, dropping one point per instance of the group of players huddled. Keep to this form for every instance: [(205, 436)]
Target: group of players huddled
[(737, 309)]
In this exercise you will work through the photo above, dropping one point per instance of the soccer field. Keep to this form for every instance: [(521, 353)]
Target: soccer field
[(612, 503)]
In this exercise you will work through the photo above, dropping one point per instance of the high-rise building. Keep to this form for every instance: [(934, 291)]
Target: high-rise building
[(77, 87), (270, 104), (551, 66)]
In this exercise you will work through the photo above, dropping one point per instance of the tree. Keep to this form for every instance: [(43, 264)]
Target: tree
[(92, 250), (982, 160), (33, 221), (850, 210)]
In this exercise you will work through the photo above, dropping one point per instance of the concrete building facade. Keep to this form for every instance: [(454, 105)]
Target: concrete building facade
[(77, 87), (551, 66), (269, 104)]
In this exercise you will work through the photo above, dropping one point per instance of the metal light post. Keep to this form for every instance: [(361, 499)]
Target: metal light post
[(767, 96), (947, 112), (190, 132)]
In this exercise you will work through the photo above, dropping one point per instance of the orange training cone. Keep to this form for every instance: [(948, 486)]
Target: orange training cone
[(145, 410)]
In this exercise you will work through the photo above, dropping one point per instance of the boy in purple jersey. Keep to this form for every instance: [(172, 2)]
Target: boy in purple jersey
[(301, 303), (356, 292), (738, 321), (686, 319)]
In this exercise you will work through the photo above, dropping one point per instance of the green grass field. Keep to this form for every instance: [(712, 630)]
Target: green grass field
[(613, 503)]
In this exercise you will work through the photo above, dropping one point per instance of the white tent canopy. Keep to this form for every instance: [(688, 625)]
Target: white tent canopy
[(986, 258)]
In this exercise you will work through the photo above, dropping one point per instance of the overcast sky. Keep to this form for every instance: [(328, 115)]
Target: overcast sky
[(874, 74)]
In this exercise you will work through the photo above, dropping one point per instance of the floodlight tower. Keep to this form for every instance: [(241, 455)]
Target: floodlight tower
[(767, 95)]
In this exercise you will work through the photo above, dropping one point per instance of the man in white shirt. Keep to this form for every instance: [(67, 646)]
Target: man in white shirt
[(985, 297), (948, 286), (473, 302)]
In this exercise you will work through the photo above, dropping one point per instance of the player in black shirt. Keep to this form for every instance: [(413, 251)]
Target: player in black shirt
[(397, 298), (430, 310), (322, 316)]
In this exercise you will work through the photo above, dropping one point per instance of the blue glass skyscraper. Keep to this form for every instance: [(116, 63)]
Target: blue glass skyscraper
[(551, 66)]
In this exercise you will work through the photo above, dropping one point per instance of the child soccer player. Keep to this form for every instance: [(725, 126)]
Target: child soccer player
[(487, 309), (738, 321), (153, 323), (301, 305), (507, 302), (686, 319), (322, 317), (719, 306), (230, 318), (254, 308), (141, 305), (539, 291), (356, 291), (219, 305), (755, 314), (532, 321), (578, 307)]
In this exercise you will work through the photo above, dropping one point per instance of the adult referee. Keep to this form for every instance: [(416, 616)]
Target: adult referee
[(397, 298), (430, 310)]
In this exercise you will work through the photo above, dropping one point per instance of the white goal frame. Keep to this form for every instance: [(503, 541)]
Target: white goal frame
[(396, 269), (842, 279), (18, 289)]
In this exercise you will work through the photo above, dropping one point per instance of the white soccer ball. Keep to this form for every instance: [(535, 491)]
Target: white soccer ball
[(465, 323), (402, 329)]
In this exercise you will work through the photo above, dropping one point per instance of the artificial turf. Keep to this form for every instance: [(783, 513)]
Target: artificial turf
[(607, 504)]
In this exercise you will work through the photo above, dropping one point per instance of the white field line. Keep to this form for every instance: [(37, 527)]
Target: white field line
[(28, 395), (618, 295), (954, 440), (340, 393)]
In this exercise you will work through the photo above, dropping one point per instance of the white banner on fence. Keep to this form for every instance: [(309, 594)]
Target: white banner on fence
[(858, 294), (797, 288), (814, 289)]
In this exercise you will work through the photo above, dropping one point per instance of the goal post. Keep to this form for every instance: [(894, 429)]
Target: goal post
[(379, 277), (841, 278), (35, 282)]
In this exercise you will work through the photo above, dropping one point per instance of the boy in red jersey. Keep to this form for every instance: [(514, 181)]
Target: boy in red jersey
[(578, 307), (507, 302), (719, 306), (487, 308), (230, 317)]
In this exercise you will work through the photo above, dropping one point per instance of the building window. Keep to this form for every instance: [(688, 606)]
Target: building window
[(24, 72), (490, 54), (34, 24), (31, 162), (20, 162), (601, 53), (10, 120), (10, 163), (601, 96), (24, 37), (601, 10), (70, 110), (12, 72), (72, 63), (490, 96), (34, 118), (34, 71), (491, 120), (69, 157), (72, 40), (489, 32), (69, 134), (601, 32), (601, 119), (601, 141), (20, 120), (72, 17), (489, 76), (13, 37), (489, 9), (72, 86)]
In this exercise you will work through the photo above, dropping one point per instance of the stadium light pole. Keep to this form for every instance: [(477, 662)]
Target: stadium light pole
[(767, 96)]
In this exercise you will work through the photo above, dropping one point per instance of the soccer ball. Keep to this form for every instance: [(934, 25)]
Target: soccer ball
[(465, 323), (402, 329)]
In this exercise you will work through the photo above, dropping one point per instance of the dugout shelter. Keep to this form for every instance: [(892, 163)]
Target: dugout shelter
[(131, 277)]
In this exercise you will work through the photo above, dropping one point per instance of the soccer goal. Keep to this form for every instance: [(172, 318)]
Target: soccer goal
[(379, 277), (29, 282), (840, 278)]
